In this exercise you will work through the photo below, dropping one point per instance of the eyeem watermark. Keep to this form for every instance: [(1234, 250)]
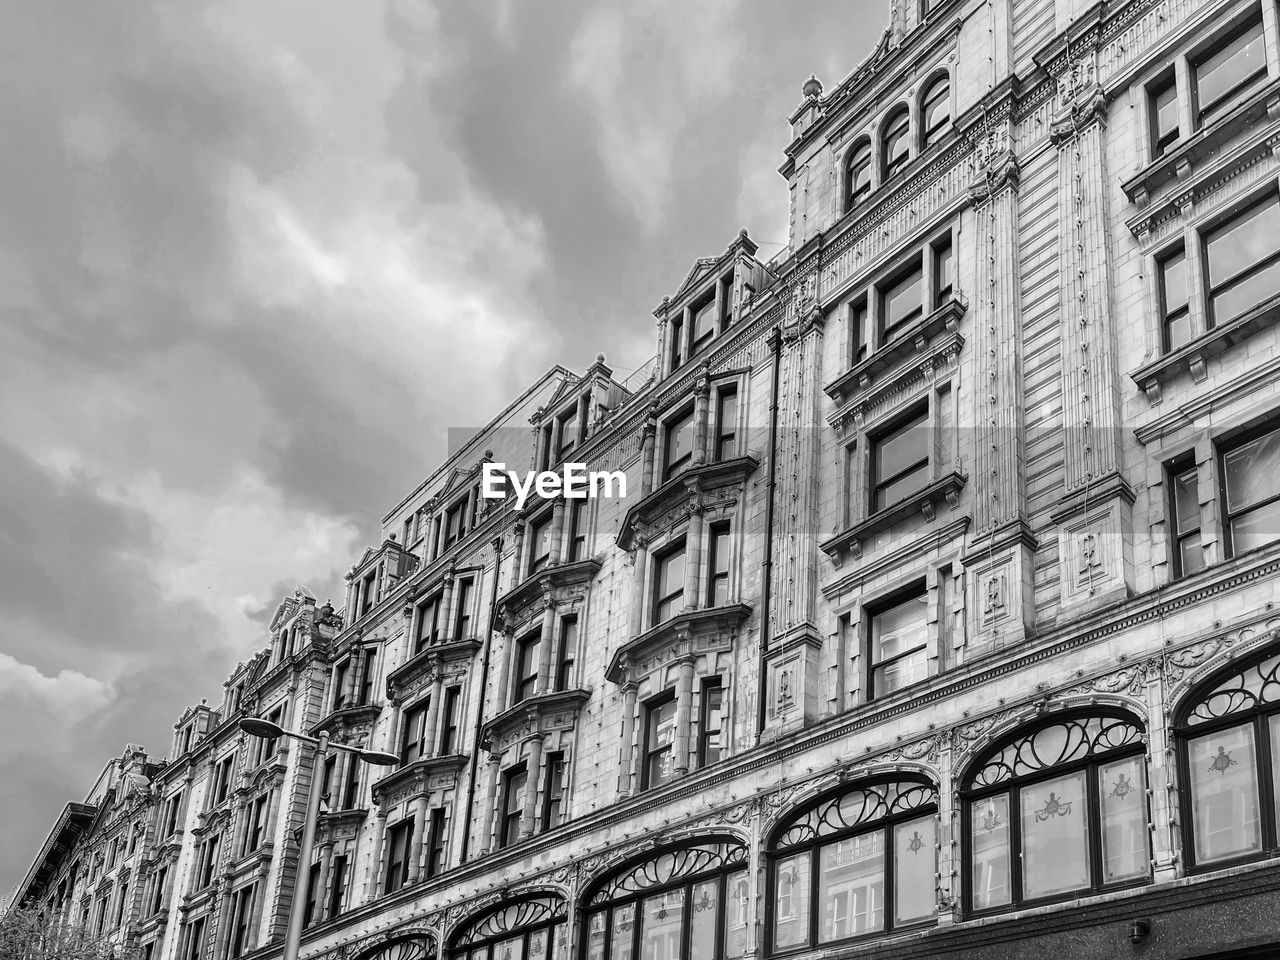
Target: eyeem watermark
[(574, 482)]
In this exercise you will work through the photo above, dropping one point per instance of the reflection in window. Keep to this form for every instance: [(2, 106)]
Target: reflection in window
[(1251, 484), (526, 930), (683, 903), (1174, 301), (1242, 258), (1230, 740), (900, 461), (869, 852), (935, 111), (898, 635), (1184, 507), (1030, 813), (895, 150), (679, 445), (1229, 72), (858, 175)]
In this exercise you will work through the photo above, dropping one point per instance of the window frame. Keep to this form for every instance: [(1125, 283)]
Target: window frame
[(568, 651), (858, 161), (524, 678), (1204, 114), (538, 562), (1169, 317), (650, 752), (577, 539), (909, 593), (887, 332), (1175, 469), (450, 720), (553, 795), (1237, 212), (437, 843), (931, 134), (725, 444), (712, 688), (424, 638), (889, 134), (915, 416), (671, 428), (514, 779), (396, 872), (1222, 449), (659, 600), (719, 562), (1161, 144), (414, 736), (465, 588)]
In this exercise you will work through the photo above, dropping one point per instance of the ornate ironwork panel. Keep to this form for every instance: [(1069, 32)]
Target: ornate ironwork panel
[(669, 866), (1254, 686), (853, 808), (517, 916), (1063, 742)]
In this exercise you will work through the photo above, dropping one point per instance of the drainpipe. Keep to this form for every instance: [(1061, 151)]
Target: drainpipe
[(484, 682), (762, 690)]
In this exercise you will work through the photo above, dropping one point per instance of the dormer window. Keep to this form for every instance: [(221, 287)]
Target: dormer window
[(568, 433), (704, 324), (455, 523), (368, 592), (935, 111), (858, 175), (895, 150)]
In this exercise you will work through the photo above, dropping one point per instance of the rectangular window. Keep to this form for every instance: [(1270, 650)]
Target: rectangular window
[(1164, 116), (677, 342), (368, 592), (435, 843), (173, 815), (337, 886), (943, 272), (466, 596), (1175, 304), (449, 740), (399, 838), (310, 907), (901, 303), (1251, 488), (553, 795), (668, 585), (704, 323), (659, 740), (351, 789), (678, 445), (428, 619), (900, 461), (161, 887), (327, 779), (222, 779), (1230, 72), (209, 861), (718, 566), (193, 948), (711, 722), (368, 674), (1242, 261), (539, 544), (726, 445), (513, 793), (341, 673), (577, 531), (241, 920), (568, 649), (413, 741), (898, 632), (526, 668), (1184, 513), (455, 523), (569, 424), (268, 748), (257, 823)]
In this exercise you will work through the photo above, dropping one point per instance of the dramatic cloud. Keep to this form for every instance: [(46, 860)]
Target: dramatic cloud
[(257, 258)]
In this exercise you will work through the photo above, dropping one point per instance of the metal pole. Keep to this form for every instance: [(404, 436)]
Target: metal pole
[(299, 902)]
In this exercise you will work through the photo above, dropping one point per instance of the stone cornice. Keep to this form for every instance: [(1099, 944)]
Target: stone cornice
[(533, 714), (925, 500), (429, 661), (543, 583), (685, 634), (681, 488)]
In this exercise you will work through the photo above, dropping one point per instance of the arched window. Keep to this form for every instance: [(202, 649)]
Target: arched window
[(895, 145), (857, 175), (1057, 810), (935, 111), (1229, 750), (688, 901), (529, 929), (859, 861), (405, 948)]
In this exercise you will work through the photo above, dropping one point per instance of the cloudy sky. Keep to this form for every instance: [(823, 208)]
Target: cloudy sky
[(256, 256)]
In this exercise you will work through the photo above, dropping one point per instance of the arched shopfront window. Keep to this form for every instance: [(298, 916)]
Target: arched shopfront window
[(1229, 752), (528, 929), (685, 902), (406, 948), (1057, 810), (859, 861)]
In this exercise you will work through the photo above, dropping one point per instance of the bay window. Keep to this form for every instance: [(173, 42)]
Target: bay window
[(659, 740), (668, 584), (1057, 811), (676, 903), (678, 444), (1228, 736), (856, 862)]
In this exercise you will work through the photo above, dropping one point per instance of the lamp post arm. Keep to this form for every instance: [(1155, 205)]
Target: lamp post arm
[(299, 900)]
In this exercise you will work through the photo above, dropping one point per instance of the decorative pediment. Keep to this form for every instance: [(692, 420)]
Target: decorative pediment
[(546, 583), (534, 716), (670, 501), (690, 633), (440, 659), (418, 779)]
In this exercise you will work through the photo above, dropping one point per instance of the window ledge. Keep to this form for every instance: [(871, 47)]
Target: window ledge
[(537, 584), (401, 679), (702, 476), (924, 501), (555, 710), (1206, 143), (1192, 356), (914, 340), (677, 633), (346, 718), (418, 778)]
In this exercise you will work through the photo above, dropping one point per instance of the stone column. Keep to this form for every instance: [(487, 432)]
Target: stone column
[(693, 557), (375, 863), (491, 805), (648, 441), (626, 753), (701, 419), (432, 733), (557, 532), (322, 884), (533, 776), (415, 843), (546, 639), (684, 715)]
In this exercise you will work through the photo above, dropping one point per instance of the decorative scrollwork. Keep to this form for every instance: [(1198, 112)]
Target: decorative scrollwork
[(670, 865), (516, 916), (854, 807), (1254, 686), (1062, 742)]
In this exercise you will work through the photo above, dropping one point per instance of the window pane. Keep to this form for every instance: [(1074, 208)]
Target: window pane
[(1234, 247), (706, 915), (704, 320), (989, 850), (851, 886), (679, 440), (663, 917), (1191, 553), (1224, 794), (902, 301), (937, 107), (1275, 761), (943, 265), (1173, 280), (860, 176), (901, 673), (538, 943), (1055, 837), (737, 913), (1256, 528), (895, 141), (595, 935), (791, 911), (1252, 471), (1165, 110), (900, 628), (1186, 500), (509, 949), (621, 944), (915, 863), (902, 448), (1226, 69), (1177, 329), (1241, 297), (1122, 791)]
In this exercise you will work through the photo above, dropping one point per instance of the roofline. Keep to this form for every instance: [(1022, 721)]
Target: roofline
[(85, 811)]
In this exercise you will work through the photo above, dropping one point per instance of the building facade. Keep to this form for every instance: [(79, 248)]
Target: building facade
[(939, 618)]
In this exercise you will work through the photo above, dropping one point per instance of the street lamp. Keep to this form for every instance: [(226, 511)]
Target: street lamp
[(266, 730)]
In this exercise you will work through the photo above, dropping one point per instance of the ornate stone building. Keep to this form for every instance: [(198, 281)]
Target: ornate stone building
[(939, 619)]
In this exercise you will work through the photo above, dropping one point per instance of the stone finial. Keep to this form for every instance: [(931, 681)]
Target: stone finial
[(812, 87)]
